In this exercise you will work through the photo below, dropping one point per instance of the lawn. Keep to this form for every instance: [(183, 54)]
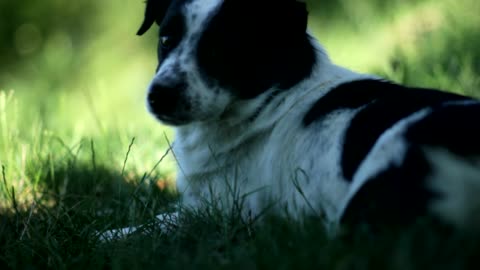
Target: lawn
[(79, 153)]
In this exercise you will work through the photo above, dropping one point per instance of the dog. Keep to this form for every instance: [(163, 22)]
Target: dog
[(261, 114)]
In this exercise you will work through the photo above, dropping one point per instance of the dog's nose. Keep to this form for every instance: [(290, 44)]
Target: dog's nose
[(163, 98)]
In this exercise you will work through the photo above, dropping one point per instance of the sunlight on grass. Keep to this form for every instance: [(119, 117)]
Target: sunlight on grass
[(51, 118), (361, 39), (34, 150), (370, 42)]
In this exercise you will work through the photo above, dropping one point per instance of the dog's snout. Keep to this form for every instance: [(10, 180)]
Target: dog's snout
[(164, 99), (164, 95)]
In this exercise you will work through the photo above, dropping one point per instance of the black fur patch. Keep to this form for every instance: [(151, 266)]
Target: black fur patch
[(453, 127), (370, 123), (167, 14), (157, 10), (172, 27), (351, 95), (154, 12), (396, 196), (250, 46), (384, 104)]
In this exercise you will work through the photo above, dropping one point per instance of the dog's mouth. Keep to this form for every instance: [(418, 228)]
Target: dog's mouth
[(171, 120), (169, 109)]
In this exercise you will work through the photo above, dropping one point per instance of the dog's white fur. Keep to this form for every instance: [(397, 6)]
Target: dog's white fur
[(273, 161)]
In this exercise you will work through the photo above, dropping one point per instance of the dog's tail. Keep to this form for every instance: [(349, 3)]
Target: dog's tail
[(457, 181)]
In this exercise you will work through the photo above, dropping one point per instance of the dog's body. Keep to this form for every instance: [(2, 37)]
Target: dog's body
[(264, 117), (269, 154)]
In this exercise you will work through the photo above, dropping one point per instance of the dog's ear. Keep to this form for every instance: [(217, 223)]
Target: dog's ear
[(300, 15), (155, 11), (291, 16)]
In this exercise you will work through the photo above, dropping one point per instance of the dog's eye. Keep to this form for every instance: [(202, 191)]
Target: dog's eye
[(166, 42)]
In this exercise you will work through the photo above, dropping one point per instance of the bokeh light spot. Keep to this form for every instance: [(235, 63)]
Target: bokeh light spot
[(28, 39)]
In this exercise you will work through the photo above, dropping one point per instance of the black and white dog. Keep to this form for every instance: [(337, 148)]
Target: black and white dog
[(259, 109)]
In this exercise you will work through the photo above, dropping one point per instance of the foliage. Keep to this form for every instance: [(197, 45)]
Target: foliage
[(50, 29)]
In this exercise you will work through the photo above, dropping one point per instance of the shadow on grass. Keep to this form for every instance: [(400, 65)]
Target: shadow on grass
[(72, 202), (57, 231)]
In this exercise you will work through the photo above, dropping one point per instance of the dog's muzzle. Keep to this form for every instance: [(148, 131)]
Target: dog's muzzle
[(168, 103)]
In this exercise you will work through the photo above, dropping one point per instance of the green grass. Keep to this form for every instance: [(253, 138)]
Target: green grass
[(81, 155)]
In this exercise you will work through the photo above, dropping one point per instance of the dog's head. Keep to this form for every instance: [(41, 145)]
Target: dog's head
[(213, 53)]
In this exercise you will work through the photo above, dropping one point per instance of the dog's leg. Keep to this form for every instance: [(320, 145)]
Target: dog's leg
[(164, 223)]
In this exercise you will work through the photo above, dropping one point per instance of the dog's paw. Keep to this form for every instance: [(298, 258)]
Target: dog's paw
[(114, 235), (164, 223)]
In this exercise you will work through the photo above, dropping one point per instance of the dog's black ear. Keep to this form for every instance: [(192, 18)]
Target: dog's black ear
[(300, 15), (288, 16), (155, 11), (292, 14)]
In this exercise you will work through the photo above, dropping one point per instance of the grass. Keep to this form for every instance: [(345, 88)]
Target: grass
[(77, 161)]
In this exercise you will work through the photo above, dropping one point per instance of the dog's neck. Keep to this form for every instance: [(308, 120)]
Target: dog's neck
[(262, 112), (248, 121)]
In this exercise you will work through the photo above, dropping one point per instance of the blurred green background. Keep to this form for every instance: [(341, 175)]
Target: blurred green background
[(73, 75)]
